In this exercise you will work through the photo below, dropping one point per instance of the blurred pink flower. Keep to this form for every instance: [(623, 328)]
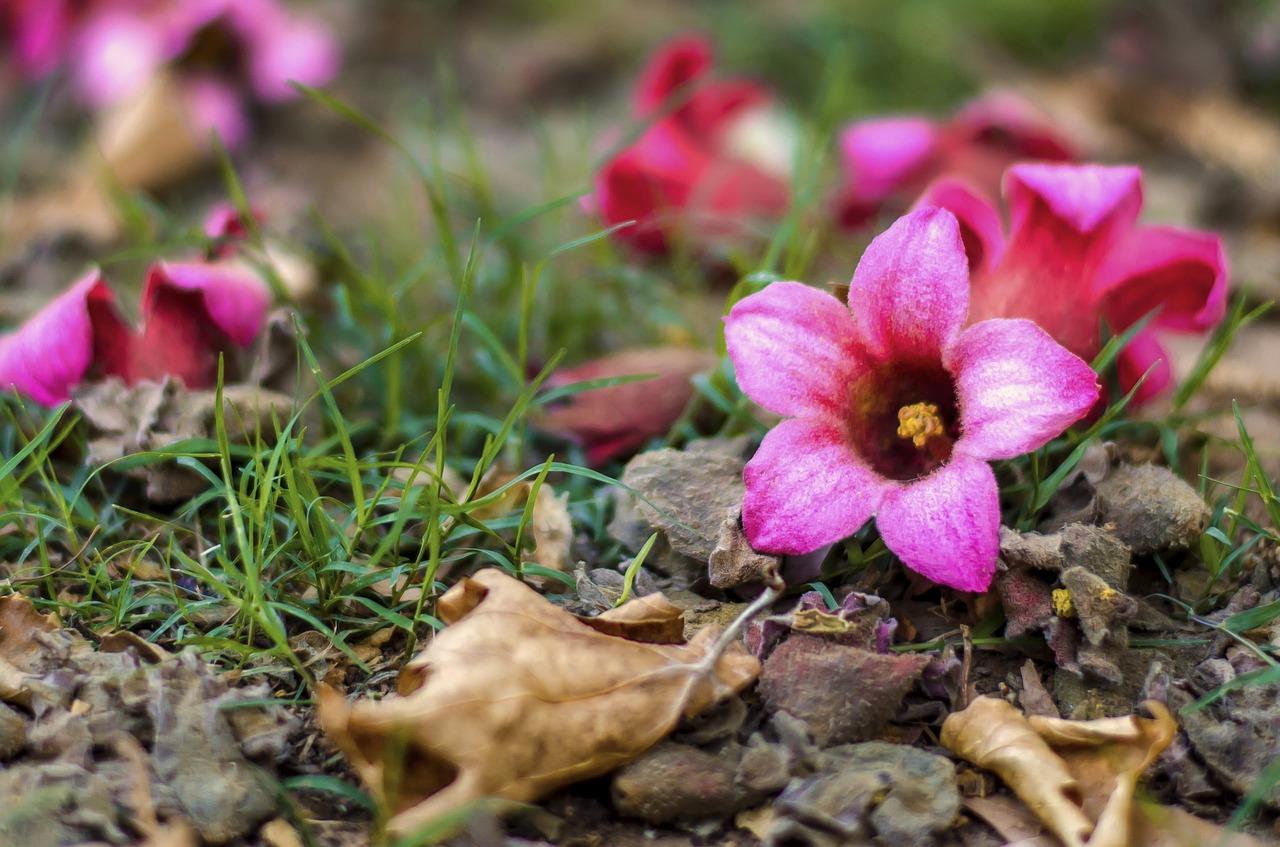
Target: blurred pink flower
[(895, 408), (1075, 255), (225, 51), (706, 170), (191, 312), (39, 32), (890, 160)]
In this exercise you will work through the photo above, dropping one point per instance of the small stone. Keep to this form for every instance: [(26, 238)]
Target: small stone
[(13, 732), (677, 782), (1152, 509)]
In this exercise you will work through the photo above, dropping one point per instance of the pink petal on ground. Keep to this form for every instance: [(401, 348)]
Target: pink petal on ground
[(1144, 355), (1088, 197), (910, 293), (214, 107), (52, 352), (793, 349), (673, 67), (630, 188), (295, 50), (980, 225), (1018, 388), (235, 298), (1182, 272), (1065, 220), (806, 488), (713, 106), (881, 154), (115, 55), (946, 526)]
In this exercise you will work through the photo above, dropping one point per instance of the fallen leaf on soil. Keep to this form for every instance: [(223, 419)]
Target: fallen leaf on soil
[(1080, 777), (994, 735), (652, 619), (620, 418), (517, 698)]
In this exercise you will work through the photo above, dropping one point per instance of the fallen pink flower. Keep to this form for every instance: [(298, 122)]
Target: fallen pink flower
[(706, 171), (191, 313), (1075, 255), (889, 161), (619, 419), (894, 408)]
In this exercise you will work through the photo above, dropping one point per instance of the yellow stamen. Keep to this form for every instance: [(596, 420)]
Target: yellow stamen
[(920, 422), (1063, 605)]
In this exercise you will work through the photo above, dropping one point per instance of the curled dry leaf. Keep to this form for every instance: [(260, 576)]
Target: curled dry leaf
[(517, 698), (1080, 777), (994, 735), (652, 618)]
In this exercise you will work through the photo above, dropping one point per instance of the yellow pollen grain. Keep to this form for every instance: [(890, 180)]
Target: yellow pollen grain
[(919, 422), (1063, 606)]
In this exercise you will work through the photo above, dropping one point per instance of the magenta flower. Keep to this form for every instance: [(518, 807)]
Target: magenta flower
[(894, 408), (191, 312), (40, 32), (1075, 255), (714, 166), (224, 52), (889, 161)]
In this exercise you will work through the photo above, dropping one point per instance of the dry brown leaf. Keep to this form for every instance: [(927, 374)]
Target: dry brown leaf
[(517, 698), (652, 619), (280, 833), (1080, 777), (994, 735), (1107, 757)]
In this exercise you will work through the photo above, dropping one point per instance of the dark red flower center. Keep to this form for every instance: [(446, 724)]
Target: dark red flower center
[(904, 418)]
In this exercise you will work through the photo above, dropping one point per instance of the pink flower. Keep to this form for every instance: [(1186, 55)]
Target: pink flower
[(708, 170), (893, 159), (895, 409), (1075, 255), (191, 313)]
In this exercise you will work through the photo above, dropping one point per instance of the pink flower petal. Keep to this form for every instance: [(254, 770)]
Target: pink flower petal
[(882, 154), (213, 106), (946, 527), (807, 488), (1066, 218), (116, 53), (1181, 271), (235, 299), (1144, 354), (52, 352), (677, 64), (793, 349), (1088, 197), (1018, 388), (910, 292), (980, 225), (294, 50)]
